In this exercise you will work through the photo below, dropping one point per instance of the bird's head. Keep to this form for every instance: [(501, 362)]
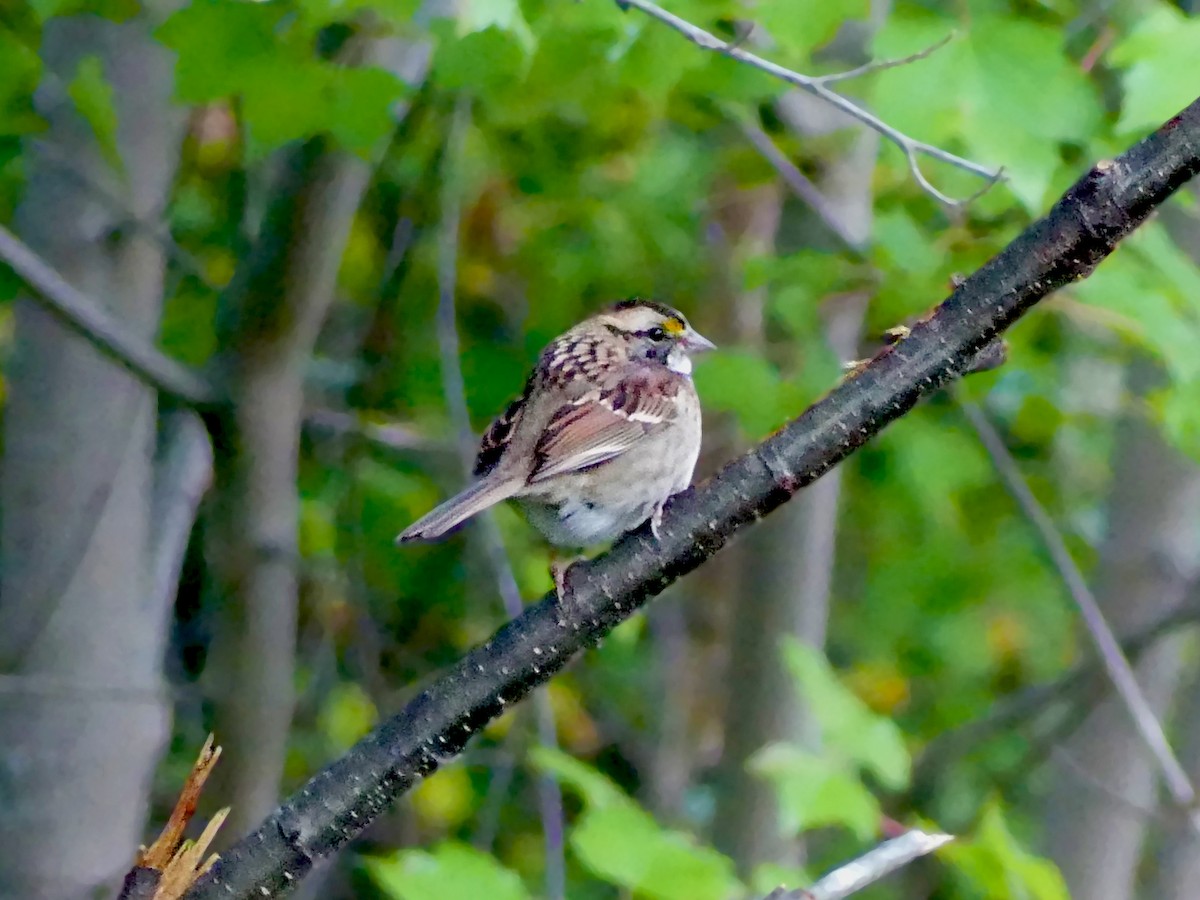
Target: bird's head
[(655, 331)]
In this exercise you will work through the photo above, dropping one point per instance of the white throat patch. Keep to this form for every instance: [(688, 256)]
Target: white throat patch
[(678, 361)]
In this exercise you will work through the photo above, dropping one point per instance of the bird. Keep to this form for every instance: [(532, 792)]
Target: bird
[(606, 430)]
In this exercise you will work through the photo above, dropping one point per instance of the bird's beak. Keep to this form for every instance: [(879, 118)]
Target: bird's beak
[(695, 342)]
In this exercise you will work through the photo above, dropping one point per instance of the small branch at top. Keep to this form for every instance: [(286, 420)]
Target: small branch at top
[(817, 85), (1115, 663), (93, 323), (798, 183), (879, 65)]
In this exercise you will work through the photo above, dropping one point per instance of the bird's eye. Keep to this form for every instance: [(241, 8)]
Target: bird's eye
[(657, 333)]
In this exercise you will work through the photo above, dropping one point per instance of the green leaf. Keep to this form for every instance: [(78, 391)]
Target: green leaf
[(624, 845), (223, 45), (452, 871), (347, 714), (1162, 46), (801, 26), (596, 790), (362, 104), (1016, 94), (1152, 292), (20, 69), (483, 62), (904, 246), (228, 48), (848, 726), (621, 843), (815, 791), (92, 95), (318, 528), (1001, 867), (746, 385), (480, 15)]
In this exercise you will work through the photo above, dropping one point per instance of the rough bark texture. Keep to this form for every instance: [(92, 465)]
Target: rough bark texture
[(1102, 208), (1143, 573), (79, 612)]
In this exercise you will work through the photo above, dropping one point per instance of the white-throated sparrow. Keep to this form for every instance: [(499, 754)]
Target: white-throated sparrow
[(607, 428)]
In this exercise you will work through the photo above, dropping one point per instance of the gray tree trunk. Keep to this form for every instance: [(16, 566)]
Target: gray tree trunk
[(80, 623), (1094, 830), (1177, 873)]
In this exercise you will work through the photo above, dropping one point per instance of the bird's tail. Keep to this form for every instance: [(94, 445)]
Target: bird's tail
[(458, 509)]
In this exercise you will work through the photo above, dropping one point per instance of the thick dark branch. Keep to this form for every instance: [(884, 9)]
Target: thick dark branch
[(1082, 228), (89, 320)]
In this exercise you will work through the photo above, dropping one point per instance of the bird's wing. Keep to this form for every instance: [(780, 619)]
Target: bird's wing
[(499, 434), (605, 423)]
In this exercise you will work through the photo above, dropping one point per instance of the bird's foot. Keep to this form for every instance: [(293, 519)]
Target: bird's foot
[(558, 571), (656, 522)]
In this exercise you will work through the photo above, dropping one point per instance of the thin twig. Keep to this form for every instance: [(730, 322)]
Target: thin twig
[(879, 65), (1028, 703), (816, 85), (392, 436), (869, 868), (798, 183), (549, 793), (1129, 808), (94, 324), (1115, 664)]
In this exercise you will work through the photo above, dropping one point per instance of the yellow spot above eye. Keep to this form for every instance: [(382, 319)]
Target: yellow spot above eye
[(673, 326)]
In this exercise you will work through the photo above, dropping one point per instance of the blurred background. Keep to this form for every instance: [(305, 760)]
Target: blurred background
[(360, 220)]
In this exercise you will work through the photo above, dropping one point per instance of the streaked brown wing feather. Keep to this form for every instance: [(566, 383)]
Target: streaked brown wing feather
[(496, 439), (605, 423)]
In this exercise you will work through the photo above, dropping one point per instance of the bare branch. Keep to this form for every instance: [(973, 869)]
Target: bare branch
[(169, 866), (798, 183), (91, 322), (1115, 664), (879, 65), (869, 868), (912, 149), (182, 477), (453, 386), (1083, 227), (1028, 703), (390, 435)]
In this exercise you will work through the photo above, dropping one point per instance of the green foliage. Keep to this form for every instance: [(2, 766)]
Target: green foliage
[(824, 788), (92, 95), (1000, 867), (262, 54), (451, 871), (346, 716), (622, 843), (604, 158), (20, 69), (1162, 45), (848, 728), (1017, 96)]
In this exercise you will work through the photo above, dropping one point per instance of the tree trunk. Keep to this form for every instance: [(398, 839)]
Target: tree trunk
[(1095, 838), (81, 622), (277, 308)]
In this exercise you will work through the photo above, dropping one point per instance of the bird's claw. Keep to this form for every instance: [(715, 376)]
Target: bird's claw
[(656, 522)]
